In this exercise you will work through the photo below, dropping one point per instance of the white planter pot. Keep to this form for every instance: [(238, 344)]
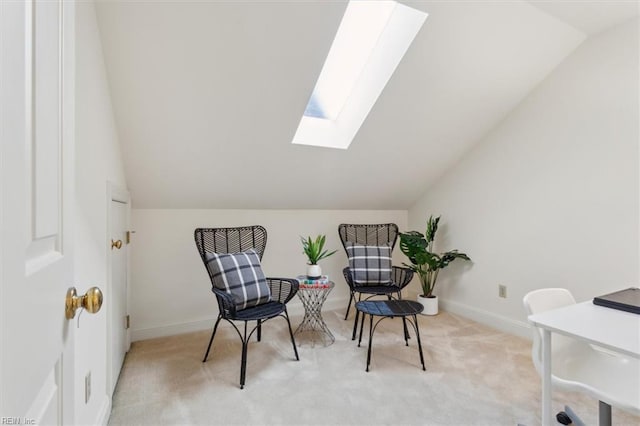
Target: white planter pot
[(314, 272), (430, 305)]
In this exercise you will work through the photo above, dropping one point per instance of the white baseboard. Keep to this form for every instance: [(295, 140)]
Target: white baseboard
[(105, 412), (295, 310), (487, 318), (171, 329)]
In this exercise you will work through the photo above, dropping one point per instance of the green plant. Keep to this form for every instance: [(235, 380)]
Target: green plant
[(424, 262), (314, 249)]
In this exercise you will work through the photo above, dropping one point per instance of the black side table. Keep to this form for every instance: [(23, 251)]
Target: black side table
[(406, 309)]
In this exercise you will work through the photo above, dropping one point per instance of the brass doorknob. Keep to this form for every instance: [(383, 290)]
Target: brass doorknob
[(91, 301), (117, 244)]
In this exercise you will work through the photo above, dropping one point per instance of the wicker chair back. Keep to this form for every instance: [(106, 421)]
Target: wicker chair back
[(369, 235), (231, 240)]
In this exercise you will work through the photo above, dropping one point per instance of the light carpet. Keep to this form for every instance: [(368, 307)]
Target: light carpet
[(475, 376)]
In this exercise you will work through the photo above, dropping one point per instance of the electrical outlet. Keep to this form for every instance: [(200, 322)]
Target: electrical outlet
[(87, 387), (502, 291)]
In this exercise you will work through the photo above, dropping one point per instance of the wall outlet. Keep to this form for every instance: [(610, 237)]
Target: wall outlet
[(87, 387), (502, 291)]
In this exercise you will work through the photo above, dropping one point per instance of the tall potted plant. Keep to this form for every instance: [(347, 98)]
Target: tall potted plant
[(314, 249), (418, 248)]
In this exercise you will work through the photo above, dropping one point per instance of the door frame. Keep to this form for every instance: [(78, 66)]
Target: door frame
[(118, 194)]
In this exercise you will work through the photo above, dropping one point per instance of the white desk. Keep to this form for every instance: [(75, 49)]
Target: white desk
[(609, 328)]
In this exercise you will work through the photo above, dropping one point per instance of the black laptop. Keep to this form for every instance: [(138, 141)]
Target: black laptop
[(624, 300)]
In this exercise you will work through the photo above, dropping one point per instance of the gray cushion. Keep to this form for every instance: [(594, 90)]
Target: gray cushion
[(369, 265), (240, 275)]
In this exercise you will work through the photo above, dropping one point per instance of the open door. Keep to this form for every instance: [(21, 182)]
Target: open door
[(37, 189)]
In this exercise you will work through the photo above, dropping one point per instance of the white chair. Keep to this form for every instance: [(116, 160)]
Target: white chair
[(578, 366)]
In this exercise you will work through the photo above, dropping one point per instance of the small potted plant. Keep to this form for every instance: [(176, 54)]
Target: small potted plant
[(427, 264), (314, 249)]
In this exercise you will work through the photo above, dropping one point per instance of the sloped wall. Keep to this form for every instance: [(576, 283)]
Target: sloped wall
[(171, 291), (550, 197)]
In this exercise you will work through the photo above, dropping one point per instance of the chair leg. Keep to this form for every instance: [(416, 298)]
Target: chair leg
[(406, 331), (355, 325), (215, 327), (370, 339), (293, 340), (243, 362), (349, 305), (361, 328), (404, 324), (355, 322), (417, 330), (259, 333)]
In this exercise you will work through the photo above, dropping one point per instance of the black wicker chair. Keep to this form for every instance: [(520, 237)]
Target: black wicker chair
[(234, 240), (373, 235)]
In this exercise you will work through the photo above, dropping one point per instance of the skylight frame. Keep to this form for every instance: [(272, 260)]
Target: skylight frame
[(337, 126)]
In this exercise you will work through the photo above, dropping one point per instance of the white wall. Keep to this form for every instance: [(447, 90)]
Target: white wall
[(550, 196), (170, 288), (98, 160)]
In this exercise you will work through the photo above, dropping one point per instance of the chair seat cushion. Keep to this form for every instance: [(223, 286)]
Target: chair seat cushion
[(369, 265), (240, 275), (264, 311), (377, 289)]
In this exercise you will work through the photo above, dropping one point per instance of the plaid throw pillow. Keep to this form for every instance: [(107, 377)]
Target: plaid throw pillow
[(240, 275), (369, 265)]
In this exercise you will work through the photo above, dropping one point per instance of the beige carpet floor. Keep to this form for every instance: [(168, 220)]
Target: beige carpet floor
[(475, 376)]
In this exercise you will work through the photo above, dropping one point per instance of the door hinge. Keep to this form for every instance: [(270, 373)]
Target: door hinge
[(127, 322)]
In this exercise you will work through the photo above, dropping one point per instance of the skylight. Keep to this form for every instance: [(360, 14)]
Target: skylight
[(371, 40)]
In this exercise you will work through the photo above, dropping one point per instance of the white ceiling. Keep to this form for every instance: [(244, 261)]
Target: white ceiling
[(590, 17), (208, 95)]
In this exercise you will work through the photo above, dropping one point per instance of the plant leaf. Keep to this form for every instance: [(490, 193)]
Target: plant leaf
[(427, 264), (314, 248)]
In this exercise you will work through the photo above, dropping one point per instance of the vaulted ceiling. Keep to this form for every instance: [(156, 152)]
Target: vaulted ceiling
[(207, 96)]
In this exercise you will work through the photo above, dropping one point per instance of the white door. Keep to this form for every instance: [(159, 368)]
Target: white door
[(36, 169), (117, 301)]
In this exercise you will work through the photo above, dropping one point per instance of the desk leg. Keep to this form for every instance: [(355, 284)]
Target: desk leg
[(547, 417), (604, 414)]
